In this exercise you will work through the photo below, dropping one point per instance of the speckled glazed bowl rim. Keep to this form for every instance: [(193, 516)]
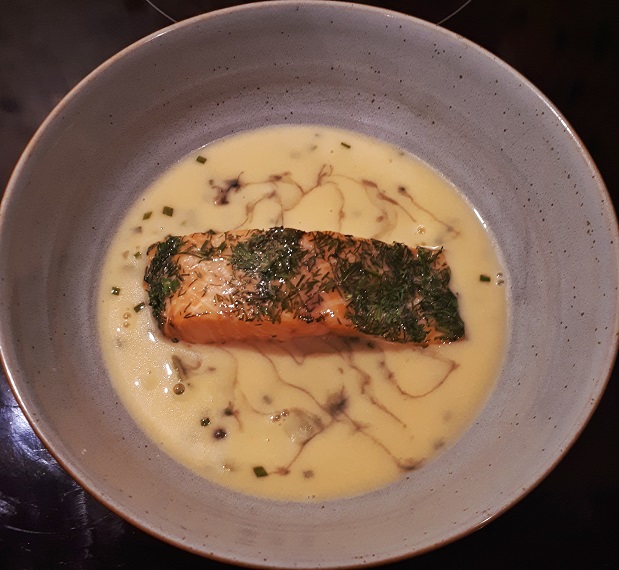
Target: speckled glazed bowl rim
[(5, 337)]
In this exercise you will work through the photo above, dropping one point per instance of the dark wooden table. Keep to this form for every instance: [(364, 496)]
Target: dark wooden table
[(568, 48)]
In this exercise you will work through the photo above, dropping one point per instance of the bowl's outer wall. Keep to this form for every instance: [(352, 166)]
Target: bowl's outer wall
[(407, 82)]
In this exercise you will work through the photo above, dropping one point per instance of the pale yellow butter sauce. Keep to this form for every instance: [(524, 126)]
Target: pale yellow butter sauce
[(323, 417)]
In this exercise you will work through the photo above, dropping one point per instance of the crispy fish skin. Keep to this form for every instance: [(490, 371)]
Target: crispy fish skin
[(284, 283)]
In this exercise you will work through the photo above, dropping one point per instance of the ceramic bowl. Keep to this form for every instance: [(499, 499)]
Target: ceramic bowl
[(413, 84)]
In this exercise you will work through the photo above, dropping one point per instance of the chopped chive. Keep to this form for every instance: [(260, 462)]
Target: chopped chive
[(167, 211), (201, 159), (205, 422), (115, 290), (137, 254), (260, 471), (139, 307), (345, 145), (484, 278), (147, 215)]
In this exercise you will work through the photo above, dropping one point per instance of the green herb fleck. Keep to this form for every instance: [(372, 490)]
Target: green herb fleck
[(137, 254), (139, 307), (115, 290), (205, 422), (167, 211), (484, 278), (345, 145), (201, 159), (260, 471), (147, 215)]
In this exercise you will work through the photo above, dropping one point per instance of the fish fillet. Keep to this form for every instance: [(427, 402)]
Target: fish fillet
[(284, 283)]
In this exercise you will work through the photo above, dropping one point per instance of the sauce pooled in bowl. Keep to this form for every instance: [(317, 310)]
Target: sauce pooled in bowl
[(310, 417)]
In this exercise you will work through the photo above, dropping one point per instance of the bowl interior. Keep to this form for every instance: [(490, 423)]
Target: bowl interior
[(393, 77)]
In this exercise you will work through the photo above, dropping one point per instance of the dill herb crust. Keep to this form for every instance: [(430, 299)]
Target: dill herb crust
[(162, 273)]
